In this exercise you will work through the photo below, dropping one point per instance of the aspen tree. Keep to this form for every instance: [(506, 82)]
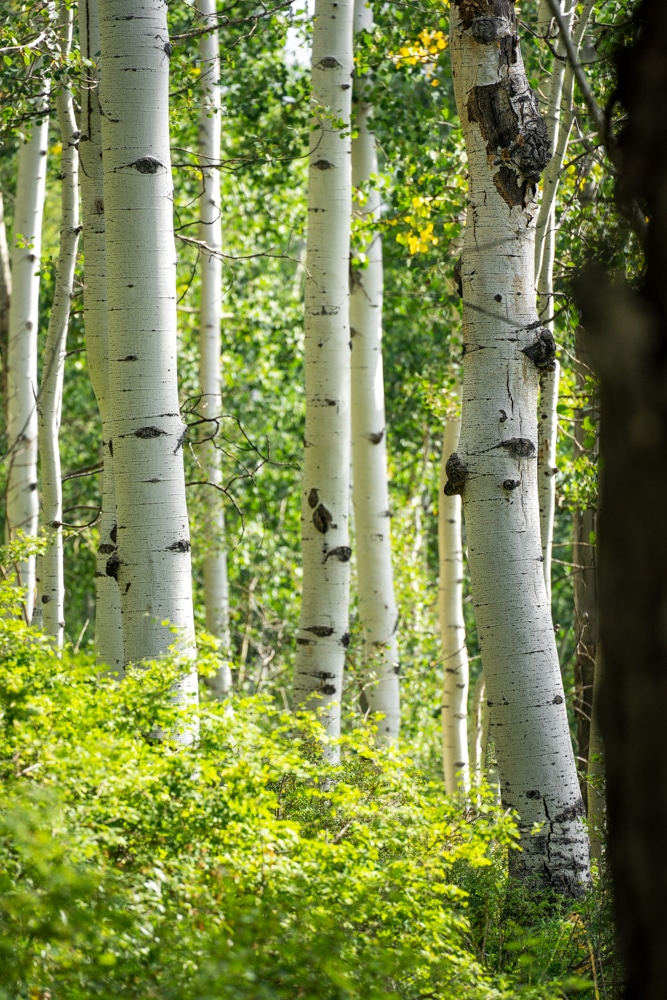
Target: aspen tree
[(146, 432), (559, 117), (5, 298), (216, 590), (49, 405), (452, 626), (108, 627), (495, 468), (323, 633), (22, 498), (378, 614)]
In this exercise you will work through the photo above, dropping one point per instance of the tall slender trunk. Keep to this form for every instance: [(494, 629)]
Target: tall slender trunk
[(49, 405), (323, 626), (559, 124), (22, 497), (216, 590), (370, 492), (452, 626), (108, 626), (478, 743), (5, 299), (584, 573), (152, 564), (495, 468)]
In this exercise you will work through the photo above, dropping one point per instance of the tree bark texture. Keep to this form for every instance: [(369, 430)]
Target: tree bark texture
[(559, 119), (22, 497), (452, 627), (49, 404), (216, 589), (108, 626), (378, 614), (629, 350), (146, 432), (323, 633), (495, 467), (5, 299)]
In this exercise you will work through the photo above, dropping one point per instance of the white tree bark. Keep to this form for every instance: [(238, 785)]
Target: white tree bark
[(49, 405), (378, 614), (22, 497), (152, 564), (452, 627), (559, 124), (108, 627), (495, 467), (5, 299), (479, 731), (323, 627), (216, 590)]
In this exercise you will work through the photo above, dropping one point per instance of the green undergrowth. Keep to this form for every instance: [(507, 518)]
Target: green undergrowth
[(239, 866)]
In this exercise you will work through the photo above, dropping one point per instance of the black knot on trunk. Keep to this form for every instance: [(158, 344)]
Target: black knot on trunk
[(519, 447), (542, 352), (329, 62), (456, 475), (486, 30), (147, 165), (149, 432), (342, 553), (322, 519), (113, 565), (182, 545)]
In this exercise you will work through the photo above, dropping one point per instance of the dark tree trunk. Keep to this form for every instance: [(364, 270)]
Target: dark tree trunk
[(584, 574), (629, 342)]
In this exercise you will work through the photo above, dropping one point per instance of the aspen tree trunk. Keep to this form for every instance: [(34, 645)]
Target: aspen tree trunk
[(108, 627), (559, 123), (5, 299), (479, 731), (452, 627), (152, 564), (22, 498), (495, 468), (216, 590), (370, 492), (323, 626), (49, 405)]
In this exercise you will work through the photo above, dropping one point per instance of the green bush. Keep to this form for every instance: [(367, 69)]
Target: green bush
[(238, 867)]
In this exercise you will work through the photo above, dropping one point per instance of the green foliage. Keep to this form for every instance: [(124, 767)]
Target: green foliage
[(241, 866)]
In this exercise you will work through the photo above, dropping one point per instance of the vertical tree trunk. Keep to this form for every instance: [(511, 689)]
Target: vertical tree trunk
[(452, 627), (108, 627), (323, 626), (584, 578), (628, 344), (495, 467), (152, 564), (49, 406), (216, 591), (377, 606), (5, 299), (559, 123), (22, 498)]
